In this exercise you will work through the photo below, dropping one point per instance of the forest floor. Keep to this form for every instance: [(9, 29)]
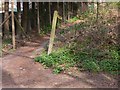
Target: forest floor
[(20, 71)]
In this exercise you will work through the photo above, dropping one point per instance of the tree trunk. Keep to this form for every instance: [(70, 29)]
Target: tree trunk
[(118, 21), (2, 27), (28, 19), (69, 10), (43, 15), (24, 16), (13, 25), (46, 7), (50, 13), (97, 10), (6, 25), (93, 7), (64, 11), (58, 7), (38, 19), (97, 16), (33, 19), (19, 19), (79, 9), (84, 6)]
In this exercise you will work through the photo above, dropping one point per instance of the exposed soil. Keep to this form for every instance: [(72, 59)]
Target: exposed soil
[(20, 71)]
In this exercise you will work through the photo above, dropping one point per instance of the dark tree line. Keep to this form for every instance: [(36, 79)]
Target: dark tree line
[(34, 16)]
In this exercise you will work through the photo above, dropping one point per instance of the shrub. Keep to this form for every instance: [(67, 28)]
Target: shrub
[(92, 60), (90, 65), (58, 60), (109, 66)]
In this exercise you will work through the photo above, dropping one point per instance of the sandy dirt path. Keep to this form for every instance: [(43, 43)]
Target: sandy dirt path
[(20, 71)]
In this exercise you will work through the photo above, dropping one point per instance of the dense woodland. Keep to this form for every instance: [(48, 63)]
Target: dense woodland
[(87, 36), (42, 13)]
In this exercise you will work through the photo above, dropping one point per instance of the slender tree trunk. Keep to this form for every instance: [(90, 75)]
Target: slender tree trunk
[(118, 22), (64, 11), (50, 13), (72, 9), (97, 10), (84, 6), (38, 19), (19, 19), (6, 25), (79, 9), (33, 19), (87, 4), (28, 19), (25, 17), (69, 10), (97, 16), (46, 7), (93, 7), (58, 7), (1, 20), (42, 15), (13, 25)]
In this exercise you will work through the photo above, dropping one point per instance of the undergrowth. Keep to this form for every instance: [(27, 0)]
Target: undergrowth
[(46, 30), (96, 53), (95, 61), (58, 60)]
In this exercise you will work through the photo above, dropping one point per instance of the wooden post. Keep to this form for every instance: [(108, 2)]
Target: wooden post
[(13, 25), (52, 36)]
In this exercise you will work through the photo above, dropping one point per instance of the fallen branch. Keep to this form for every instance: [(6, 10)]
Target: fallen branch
[(5, 20), (21, 27)]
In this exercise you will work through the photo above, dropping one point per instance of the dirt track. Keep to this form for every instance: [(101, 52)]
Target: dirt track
[(20, 71)]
